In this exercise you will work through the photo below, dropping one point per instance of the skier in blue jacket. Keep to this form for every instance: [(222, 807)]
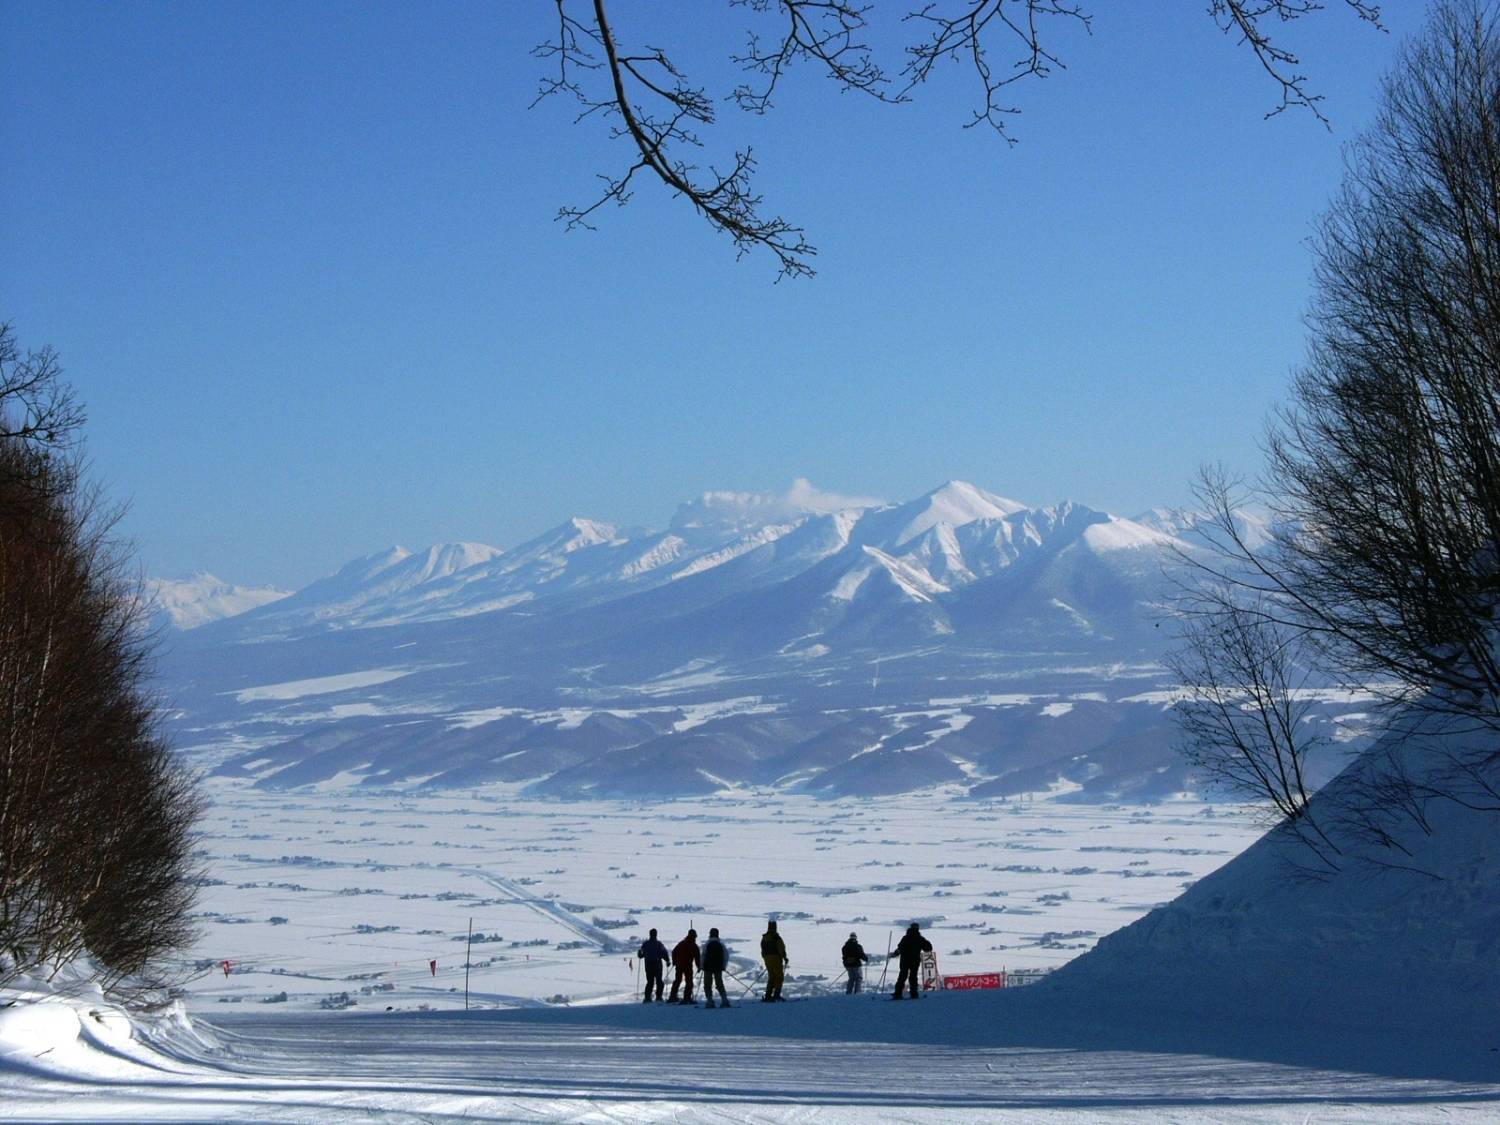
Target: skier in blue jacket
[(653, 955), (715, 961)]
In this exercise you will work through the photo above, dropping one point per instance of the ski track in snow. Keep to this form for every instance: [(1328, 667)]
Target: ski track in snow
[(626, 1063)]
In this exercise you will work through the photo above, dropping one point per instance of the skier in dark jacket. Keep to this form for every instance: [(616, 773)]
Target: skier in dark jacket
[(715, 961), (910, 949), (653, 955), (855, 960), (685, 958), (773, 952)]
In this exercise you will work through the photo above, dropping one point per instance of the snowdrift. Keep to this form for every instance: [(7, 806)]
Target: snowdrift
[(1401, 943), (65, 1030)]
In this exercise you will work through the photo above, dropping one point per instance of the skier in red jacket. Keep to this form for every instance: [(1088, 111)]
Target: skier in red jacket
[(685, 959)]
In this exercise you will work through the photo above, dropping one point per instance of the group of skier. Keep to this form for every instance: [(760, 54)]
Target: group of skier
[(712, 960)]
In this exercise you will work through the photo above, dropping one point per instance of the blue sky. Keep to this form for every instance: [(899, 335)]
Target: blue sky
[(300, 262)]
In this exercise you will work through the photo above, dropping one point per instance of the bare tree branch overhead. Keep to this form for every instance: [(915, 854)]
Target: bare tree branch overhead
[(966, 33), (1248, 18), (650, 102)]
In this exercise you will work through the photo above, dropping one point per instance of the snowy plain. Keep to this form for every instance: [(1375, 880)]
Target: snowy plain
[(316, 895)]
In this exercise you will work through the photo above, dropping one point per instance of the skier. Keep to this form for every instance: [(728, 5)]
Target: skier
[(773, 952), (715, 961), (910, 949), (855, 959), (685, 958), (653, 955)]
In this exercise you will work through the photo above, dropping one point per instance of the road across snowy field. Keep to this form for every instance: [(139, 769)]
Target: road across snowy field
[(552, 909), (832, 1060)]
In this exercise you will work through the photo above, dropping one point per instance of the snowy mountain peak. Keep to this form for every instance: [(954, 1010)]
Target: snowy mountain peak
[(1253, 529), (1170, 521), (588, 532), (186, 603), (443, 559), (954, 503), (1116, 534), (368, 566), (740, 510), (570, 535)]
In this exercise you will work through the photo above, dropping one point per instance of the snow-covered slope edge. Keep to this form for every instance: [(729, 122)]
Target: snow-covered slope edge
[(1404, 938), (66, 1029)]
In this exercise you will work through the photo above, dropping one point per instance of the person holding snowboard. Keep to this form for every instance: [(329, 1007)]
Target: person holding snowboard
[(855, 960), (685, 958), (715, 961), (773, 952), (910, 949), (653, 955)]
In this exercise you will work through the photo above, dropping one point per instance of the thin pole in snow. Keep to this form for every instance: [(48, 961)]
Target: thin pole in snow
[(467, 948), (887, 966)]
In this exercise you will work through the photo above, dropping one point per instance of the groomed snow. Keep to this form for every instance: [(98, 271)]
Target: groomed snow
[(948, 1058)]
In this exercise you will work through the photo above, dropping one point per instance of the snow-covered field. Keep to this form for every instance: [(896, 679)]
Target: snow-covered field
[(348, 899), (330, 909)]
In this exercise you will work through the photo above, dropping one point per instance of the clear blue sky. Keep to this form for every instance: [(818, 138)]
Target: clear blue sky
[(300, 261)]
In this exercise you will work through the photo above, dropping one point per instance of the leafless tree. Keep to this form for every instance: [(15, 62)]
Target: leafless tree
[(1246, 703), (653, 107), (1384, 468), (37, 408), (95, 815)]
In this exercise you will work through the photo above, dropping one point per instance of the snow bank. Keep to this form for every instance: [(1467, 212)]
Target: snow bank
[(66, 1030), (1400, 942)]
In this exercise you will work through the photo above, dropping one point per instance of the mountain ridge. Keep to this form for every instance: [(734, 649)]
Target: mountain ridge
[(797, 641)]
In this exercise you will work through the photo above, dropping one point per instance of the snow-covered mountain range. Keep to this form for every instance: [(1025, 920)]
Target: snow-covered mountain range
[(186, 603), (835, 645)]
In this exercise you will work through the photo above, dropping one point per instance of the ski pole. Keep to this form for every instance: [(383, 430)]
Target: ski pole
[(468, 951), (753, 982), (887, 966)]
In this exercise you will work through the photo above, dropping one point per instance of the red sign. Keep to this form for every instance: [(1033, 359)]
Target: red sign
[(975, 980)]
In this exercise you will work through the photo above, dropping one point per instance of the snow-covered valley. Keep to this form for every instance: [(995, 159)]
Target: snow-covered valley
[(320, 899)]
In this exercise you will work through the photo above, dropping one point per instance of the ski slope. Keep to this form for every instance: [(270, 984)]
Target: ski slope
[(948, 1057)]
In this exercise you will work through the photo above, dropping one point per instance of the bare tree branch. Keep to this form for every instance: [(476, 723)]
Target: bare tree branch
[(828, 32), (1001, 43), (1248, 18), (964, 36), (724, 197)]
